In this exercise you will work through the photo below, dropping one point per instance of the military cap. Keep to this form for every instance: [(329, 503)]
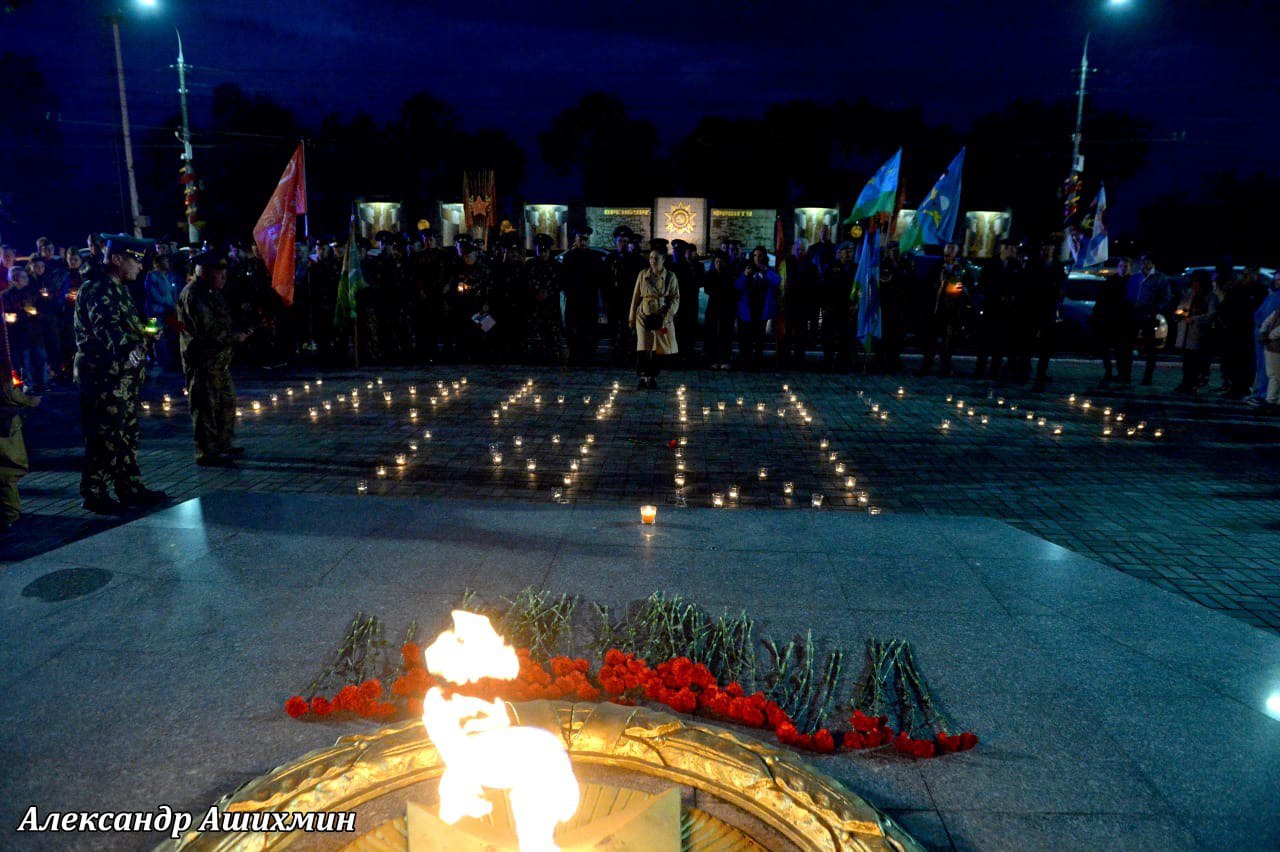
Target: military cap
[(210, 260), (658, 244), (582, 231), (125, 244), (622, 231)]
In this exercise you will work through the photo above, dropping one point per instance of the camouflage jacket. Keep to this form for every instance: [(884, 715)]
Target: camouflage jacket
[(108, 327), (207, 332)]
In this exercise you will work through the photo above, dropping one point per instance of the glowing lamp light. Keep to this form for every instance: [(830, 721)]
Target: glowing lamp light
[(495, 414), (497, 458), (413, 390), (355, 403), (586, 400), (560, 399), (555, 439), (584, 449), (706, 411), (288, 391), (717, 500), (648, 514), (591, 439), (239, 412)]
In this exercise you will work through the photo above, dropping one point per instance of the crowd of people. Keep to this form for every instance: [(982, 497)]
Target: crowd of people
[(103, 314)]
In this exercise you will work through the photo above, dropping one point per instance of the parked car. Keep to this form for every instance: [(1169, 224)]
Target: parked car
[(1079, 297)]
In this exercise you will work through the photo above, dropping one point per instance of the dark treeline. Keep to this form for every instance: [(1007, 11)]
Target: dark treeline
[(796, 153)]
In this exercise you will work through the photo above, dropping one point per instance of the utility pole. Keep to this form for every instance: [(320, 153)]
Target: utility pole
[(138, 220), (193, 233)]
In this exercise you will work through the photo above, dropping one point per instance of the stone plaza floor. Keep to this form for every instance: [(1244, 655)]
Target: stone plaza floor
[(1117, 711)]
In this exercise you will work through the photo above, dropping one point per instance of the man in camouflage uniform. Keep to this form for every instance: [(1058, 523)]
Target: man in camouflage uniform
[(205, 342), (542, 276), (111, 354)]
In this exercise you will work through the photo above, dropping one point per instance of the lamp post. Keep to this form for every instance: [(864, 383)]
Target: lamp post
[(1077, 163), (134, 210)]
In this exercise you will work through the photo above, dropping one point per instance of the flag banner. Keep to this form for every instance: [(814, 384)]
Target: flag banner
[(867, 282), (880, 193), (1096, 250), (350, 283), (935, 220), (277, 229)]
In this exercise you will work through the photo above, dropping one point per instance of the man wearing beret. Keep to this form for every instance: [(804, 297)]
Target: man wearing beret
[(111, 353), (205, 342)]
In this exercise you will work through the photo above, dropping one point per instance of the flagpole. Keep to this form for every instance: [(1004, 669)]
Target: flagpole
[(311, 296)]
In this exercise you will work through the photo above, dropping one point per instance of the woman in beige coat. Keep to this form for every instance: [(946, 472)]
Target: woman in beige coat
[(653, 305)]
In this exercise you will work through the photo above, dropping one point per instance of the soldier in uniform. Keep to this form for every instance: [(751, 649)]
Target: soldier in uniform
[(205, 343), (583, 277), (542, 276), (13, 450), (688, 270), (955, 282), (620, 285), (111, 353)]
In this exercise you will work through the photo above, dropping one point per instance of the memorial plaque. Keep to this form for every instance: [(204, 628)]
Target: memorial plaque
[(375, 216), (752, 227), (604, 219), (810, 221), (902, 223), (983, 231), (450, 224), (681, 219), (550, 219)]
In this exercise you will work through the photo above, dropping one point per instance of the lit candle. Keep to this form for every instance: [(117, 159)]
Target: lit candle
[(531, 465), (793, 398), (985, 419), (680, 480), (313, 412), (763, 473), (875, 407), (319, 382), (439, 384), (368, 385), (413, 390), (706, 411), (720, 405), (901, 392), (427, 435), (616, 385), (306, 386), (1131, 432), (1106, 430), (873, 510), (684, 440), (382, 470), (884, 415), (1142, 424), (497, 458), (342, 397), (413, 446), (166, 405), (1072, 399), (537, 399), (959, 405), (518, 441), (557, 494), (586, 400), (568, 479), (1120, 417), (288, 391), (560, 399), (401, 459), (733, 492), (591, 439), (379, 381), (946, 424), (786, 388), (760, 406), (1106, 412), (1157, 433), (832, 456), (1041, 421), (840, 468), (1086, 404), (999, 400), (386, 396), (850, 482), (239, 412), (584, 449), (463, 380), (573, 464), (739, 402), (275, 398), (680, 464), (444, 394), (648, 514), (495, 414), (435, 400), (355, 403), (788, 488), (413, 414), (950, 397), (328, 406), (863, 499), (717, 500), (1031, 415), (1057, 430), (504, 405), (362, 486), (816, 500), (807, 420), (146, 406), (782, 412)]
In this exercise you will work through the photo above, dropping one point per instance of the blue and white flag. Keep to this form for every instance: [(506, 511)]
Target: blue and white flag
[(868, 280), (935, 221), (1096, 251)]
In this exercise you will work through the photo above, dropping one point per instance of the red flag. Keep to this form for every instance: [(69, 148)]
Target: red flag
[(277, 228)]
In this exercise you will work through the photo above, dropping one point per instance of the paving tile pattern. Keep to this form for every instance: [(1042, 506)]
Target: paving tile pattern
[(1195, 511)]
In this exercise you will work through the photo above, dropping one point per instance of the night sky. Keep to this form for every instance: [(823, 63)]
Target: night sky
[(1191, 67)]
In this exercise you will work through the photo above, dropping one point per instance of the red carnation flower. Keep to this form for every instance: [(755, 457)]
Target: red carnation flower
[(411, 653), (296, 706), (824, 742), (348, 698), (321, 706), (371, 689)]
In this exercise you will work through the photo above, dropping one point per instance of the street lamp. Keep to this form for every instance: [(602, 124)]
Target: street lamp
[(135, 210)]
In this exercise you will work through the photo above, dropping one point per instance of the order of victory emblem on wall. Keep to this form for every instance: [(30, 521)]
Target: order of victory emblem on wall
[(681, 218)]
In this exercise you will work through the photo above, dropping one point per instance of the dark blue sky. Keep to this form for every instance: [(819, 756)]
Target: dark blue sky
[(1204, 69)]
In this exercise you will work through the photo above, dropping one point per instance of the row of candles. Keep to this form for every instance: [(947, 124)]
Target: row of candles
[(1114, 422), (970, 412)]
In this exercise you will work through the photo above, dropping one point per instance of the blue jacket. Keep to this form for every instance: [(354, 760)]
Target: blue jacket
[(763, 291), (162, 293)]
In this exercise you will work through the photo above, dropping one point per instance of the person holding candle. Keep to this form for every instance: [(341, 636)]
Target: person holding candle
[(111, 356), (205, 344), (654, 302)]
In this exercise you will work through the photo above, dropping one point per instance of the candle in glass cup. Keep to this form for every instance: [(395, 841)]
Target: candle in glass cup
[(382, 470), (573, 464), (413, 414), (788, 488), (591, 439), (413, 446), (680, 480), (426, 434), (362, 486), (584, 449), (706, 410), (733, 492), (763, 473), (386, 396), (815, 500), (328, 406), (401, 459), (720, 405), (517, 441), (717, 500), (850, 482), (648, 514), (497, 458), (568, 479), (314, 413), (531, 465), (840, 468), (824, 443), (740, 401)]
